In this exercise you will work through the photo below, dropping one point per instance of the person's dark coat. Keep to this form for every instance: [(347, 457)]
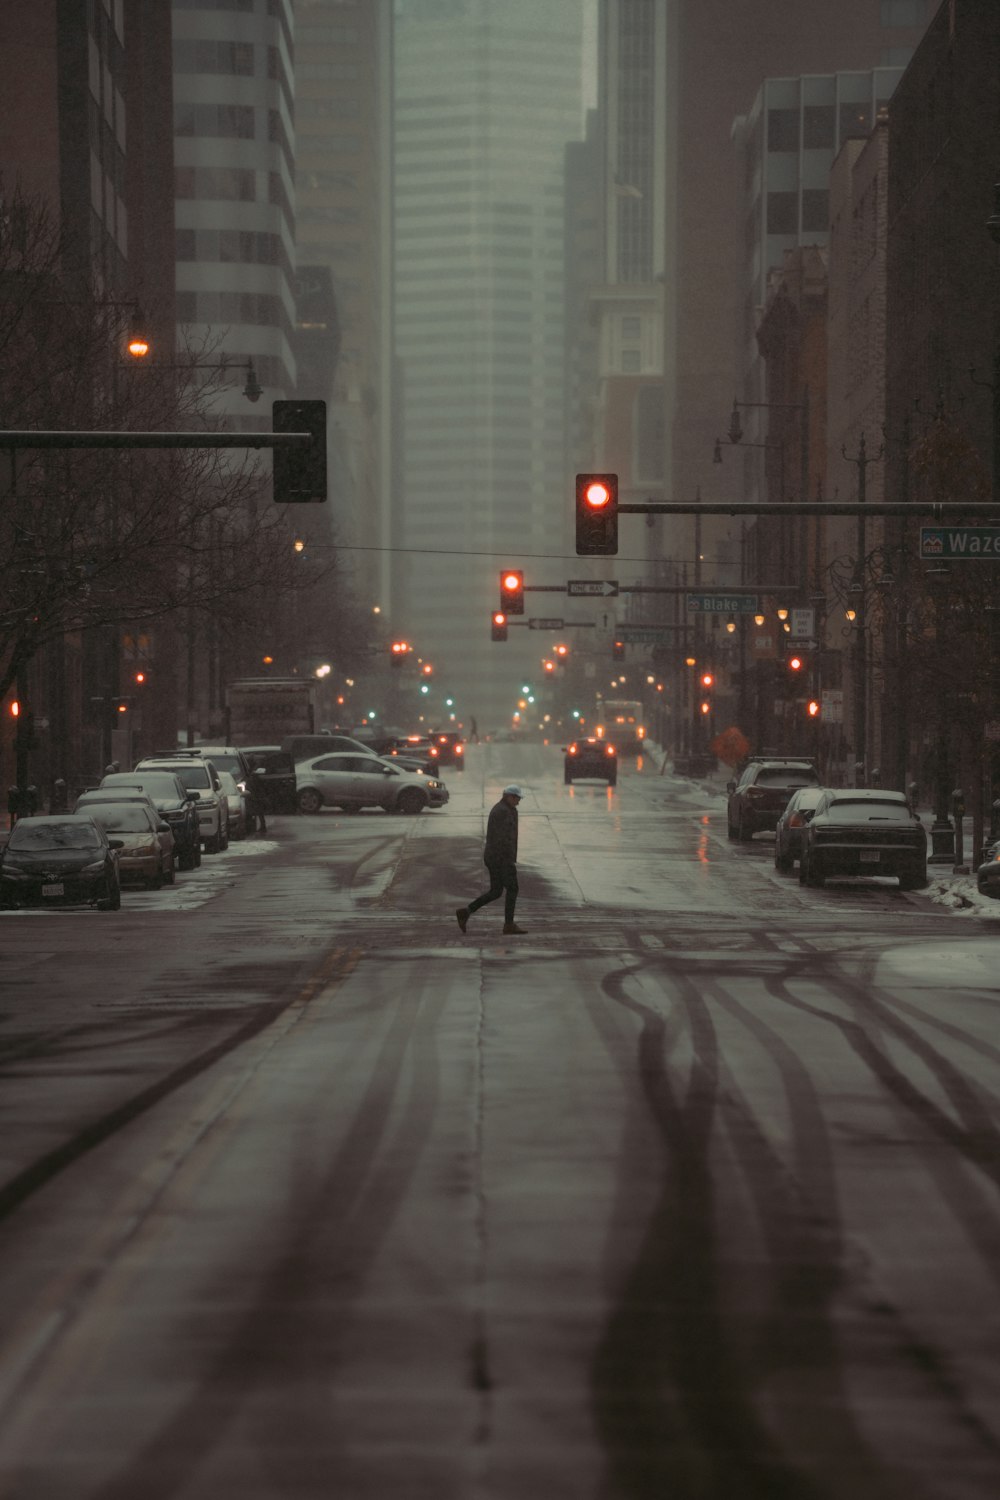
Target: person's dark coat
[(501, 835)]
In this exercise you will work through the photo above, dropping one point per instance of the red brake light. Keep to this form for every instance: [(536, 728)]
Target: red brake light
[(572, 750), (609, 749), (796, 821), (459, 749)]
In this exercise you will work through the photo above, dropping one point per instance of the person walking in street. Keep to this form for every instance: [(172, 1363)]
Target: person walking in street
[(500, 859)]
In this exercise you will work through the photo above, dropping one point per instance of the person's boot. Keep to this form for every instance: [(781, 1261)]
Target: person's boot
[(511, 928), (462, 917)]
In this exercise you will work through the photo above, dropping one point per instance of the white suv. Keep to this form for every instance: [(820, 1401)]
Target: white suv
[(199, 775)]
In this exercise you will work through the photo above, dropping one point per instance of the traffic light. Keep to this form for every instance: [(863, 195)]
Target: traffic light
[(399, 650), (706, 682), (618, 651), (498, 629), (512, 591), (597, 515), (300, 473), (814, 708), (797, 663), (15, 708)]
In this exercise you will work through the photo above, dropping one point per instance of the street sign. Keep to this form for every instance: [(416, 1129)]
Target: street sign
[(722, 604), (644, 635), (543, 624), (803, 623), (602, 588), (832, 705), (968, 542)]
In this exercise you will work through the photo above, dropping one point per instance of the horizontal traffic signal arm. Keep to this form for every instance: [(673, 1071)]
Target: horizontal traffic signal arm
[(20, 439), (937, 509)]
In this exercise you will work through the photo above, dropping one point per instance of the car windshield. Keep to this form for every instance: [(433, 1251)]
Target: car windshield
[(865, 810), (77, 833), (120, 817), (193, 775), (159, 784), (786, 776), (225, 762)]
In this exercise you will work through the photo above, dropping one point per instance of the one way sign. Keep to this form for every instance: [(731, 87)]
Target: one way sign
[(600, 588)]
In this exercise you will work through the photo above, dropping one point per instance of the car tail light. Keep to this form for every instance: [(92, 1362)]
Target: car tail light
[(609, 750), (641, 732), (434, 750), (796, 821), (459, 749), (572, 750)]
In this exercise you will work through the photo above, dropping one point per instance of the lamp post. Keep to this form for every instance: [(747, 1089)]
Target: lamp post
[(858, 596), (942, 829)]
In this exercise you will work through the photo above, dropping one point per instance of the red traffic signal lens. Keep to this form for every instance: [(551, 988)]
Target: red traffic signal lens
[(499, 618), (795, 663), (597, 494), (707, 679), (511, 580)]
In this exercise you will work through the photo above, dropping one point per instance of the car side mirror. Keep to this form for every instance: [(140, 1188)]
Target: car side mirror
[(193, 797), (730, 787), (116, 843), (162, 827)]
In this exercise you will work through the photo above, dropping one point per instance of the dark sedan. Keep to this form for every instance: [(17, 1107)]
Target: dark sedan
[(61, 860), (788, 834), (857, 831), (590, 758)]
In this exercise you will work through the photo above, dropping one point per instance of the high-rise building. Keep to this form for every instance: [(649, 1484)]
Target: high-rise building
[(724, 53), (235, 191), (486, 98), (343, 93)]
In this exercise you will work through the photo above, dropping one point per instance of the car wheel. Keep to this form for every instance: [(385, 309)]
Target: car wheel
[(567, 779), (741, 833), (612, 781), (223, 839), (212, 846), (782, 862), (410, 801), (310, 800), (814, 874), (916, 881), (170, 874), (197, 854), (730, 829), (155, 882), (113, 900), (803, 867)]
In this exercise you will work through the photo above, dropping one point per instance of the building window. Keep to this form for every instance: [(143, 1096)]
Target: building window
[(631, 327), (819, 127), (855, 120), (631, 362), (782, 213), (184, 244), (230, 121), (782, 130), (903, 12), (815, 211)]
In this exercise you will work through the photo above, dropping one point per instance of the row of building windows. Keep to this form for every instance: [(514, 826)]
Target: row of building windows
[(243, 246), (232, 184), (231, 59), (261, 309), (230, 122), (817, 127), (783, 212)]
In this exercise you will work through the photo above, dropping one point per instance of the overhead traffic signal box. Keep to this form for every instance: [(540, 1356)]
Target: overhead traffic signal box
[(512, 591), (300, 473), (597, 515)]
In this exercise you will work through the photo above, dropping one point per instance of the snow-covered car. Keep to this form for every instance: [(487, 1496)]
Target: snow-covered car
[(352, 782), (146, 854), (60, 860), (864, 831), (988, 874)]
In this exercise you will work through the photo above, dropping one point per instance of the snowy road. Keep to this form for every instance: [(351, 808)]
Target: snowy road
[(691, 1192)]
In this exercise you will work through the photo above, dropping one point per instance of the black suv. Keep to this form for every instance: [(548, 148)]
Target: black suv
[(760, 796)]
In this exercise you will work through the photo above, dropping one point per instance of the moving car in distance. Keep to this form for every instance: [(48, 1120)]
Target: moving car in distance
[(620, 723), (590, 758), (352, 782), (788, 833), (60, 860), (862, 831), (760, 796), (448, 747)]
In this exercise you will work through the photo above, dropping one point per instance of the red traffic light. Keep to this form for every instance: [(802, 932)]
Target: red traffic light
[(512, 591), (597, 515), (498, 626), (795, 663), (708, 679)]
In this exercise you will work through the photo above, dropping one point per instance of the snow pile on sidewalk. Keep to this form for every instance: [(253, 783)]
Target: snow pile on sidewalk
[(960, 894)]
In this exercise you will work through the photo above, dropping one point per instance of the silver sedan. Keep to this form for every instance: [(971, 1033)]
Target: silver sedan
[(352, 782)]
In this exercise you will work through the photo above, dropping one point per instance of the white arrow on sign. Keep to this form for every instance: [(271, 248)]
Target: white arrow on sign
[(601, 588)]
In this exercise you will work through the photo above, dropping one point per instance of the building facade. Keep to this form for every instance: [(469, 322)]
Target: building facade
[(486, 99)]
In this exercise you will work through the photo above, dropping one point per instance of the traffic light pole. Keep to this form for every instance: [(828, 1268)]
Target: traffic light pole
[(939, 509)]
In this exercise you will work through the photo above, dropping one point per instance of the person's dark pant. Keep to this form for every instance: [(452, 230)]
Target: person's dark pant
[(503, 882)]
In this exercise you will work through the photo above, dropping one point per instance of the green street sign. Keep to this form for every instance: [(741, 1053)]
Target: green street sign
[(969, 542), (722, 604)]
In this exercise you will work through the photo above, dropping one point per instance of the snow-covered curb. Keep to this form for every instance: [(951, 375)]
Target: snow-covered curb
[(961, 895)]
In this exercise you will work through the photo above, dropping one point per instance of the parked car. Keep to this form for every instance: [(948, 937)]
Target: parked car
[(352, 782), (147, 845), (864, 831), (590, 758), (760, 795), (788, 831), (60, 860), (273, 772), (201, 777), (988, 874), (234, 760), (238, 805), (174, 803)]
